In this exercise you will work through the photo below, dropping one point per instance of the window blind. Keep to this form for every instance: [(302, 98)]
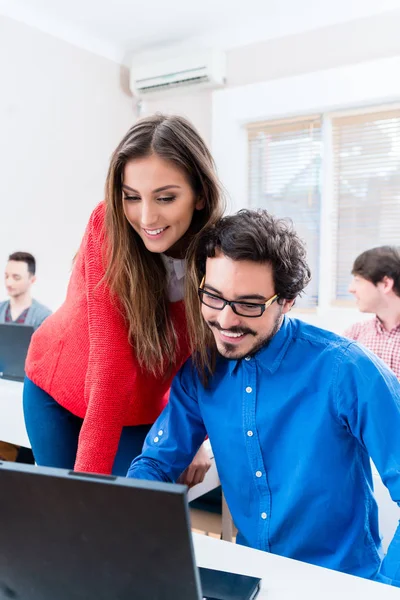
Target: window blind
[(284, 178), (366, 173)]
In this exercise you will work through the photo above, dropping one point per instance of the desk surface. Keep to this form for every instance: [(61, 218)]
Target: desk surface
[(12, 425), (286, 579)]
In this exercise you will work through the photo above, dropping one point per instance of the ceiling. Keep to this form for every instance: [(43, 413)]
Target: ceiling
[(118, 28)]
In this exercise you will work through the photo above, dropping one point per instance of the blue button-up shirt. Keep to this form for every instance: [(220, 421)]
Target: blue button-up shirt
[(292, 430)]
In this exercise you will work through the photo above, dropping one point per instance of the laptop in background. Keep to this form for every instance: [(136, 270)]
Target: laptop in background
[(14, 343), (71, 536)]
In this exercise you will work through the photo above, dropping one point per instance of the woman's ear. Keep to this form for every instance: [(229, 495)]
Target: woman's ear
[(200, 203)]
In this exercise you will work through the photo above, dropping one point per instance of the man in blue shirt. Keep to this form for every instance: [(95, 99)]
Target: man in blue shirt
[(293, 412)]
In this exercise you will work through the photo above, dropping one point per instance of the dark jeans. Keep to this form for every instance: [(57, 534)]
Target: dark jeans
[(53, 432)]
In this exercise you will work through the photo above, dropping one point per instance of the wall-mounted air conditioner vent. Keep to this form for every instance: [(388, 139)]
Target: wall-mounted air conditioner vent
[(204, 69)]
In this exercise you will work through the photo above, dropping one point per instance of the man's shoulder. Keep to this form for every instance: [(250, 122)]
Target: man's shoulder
[(345, 350), (317, 335), (193, 376), (3, 309), (40, 307), (359, 328)]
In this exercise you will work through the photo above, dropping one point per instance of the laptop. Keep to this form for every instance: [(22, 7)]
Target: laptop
[(77, 536), (14, 343)]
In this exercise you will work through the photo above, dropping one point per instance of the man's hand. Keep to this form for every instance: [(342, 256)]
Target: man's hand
[(197, 470)]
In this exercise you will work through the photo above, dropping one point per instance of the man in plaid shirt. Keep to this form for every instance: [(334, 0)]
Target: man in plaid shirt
[(376, 287)]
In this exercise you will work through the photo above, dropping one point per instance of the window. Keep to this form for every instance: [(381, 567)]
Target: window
[(285, 169), (362, 157), (366, 157)]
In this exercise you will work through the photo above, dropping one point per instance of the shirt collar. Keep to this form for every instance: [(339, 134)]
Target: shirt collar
[(381, 329), (271, 356), (378, 326), (174, 265)]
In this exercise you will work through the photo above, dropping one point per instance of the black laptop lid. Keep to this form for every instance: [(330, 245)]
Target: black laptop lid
[(14, 343), (69, 536)]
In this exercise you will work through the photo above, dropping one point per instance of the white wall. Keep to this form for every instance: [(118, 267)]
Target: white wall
[(195, 106), (327, 47), (62, 112)]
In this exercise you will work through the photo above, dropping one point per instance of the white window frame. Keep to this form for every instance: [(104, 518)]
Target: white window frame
[(359, 88)]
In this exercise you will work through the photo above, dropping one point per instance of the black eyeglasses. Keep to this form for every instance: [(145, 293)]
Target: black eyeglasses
[(243, 309)]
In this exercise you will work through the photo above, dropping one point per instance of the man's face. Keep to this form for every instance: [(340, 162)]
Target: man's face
[(18, 280), (368, 296), (243, 281)]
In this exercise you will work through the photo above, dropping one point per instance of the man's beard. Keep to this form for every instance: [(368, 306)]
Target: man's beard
[(230, 349)]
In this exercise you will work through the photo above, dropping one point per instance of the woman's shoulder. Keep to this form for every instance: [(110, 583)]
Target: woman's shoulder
[(95, 229), (90, 256), (97, 218)]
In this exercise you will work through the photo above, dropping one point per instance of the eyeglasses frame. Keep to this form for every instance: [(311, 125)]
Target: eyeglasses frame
[(232, 303)]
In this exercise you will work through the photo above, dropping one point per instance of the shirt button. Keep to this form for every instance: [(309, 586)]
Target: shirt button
[(250, 433), (247, 358), (249, 390), (160, 432), (156, 439), (258, 474), (263, 515)]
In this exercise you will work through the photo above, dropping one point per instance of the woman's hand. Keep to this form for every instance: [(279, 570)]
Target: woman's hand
[(197, 469)]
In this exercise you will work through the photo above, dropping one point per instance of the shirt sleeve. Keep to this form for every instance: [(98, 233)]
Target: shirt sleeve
[(368, 401), (112, 369), (177, 434)]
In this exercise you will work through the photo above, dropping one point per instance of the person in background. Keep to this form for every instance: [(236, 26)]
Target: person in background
[(293, 412), (376, 287), (21, 308), (100, 368)]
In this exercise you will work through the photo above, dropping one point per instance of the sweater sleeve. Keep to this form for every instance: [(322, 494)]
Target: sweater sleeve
[(112, 370)]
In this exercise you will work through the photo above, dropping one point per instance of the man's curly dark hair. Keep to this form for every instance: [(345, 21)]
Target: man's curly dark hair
[(258, 236)]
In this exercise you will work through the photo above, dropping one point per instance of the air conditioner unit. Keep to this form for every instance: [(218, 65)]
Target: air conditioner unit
[(204, 69)]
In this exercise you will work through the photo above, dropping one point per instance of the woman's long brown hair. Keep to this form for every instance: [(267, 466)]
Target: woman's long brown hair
[(136, 276)]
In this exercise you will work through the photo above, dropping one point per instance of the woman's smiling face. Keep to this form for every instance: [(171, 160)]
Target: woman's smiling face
[(159, 202)]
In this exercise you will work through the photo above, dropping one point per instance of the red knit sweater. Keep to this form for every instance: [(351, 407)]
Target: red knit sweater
[(82, 358)]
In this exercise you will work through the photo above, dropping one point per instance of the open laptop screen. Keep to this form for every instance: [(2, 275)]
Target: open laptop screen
[(14, 343)]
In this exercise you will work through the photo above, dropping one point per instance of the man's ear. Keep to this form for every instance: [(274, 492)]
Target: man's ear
[(386, 284), (286, 306), (33, 279)]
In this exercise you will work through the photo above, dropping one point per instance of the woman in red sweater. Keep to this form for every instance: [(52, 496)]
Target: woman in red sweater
[(99, 369)]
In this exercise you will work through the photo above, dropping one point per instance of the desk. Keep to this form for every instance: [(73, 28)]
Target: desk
[(12, 424), (286, 579)]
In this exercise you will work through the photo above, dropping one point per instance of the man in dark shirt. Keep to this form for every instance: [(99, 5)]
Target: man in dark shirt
[(21, 308)]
